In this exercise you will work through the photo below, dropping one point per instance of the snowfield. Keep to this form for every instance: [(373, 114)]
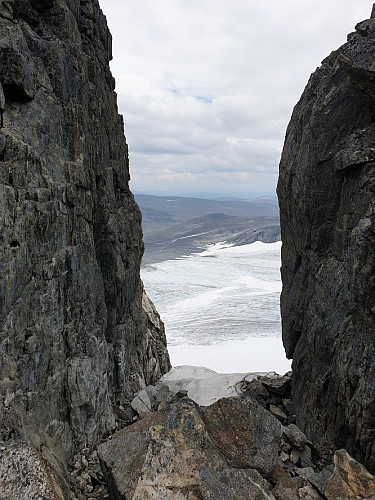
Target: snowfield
[(221, 307)]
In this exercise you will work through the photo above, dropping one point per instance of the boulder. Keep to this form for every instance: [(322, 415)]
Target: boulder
[(317, 479), (143, 401), (160, 456), (149, 398), (184, 451), (278, 413), (285, 488), (310, 493), (234, 484), (350, 480), (279, 385), (259, 388), (247, 434), (295, 436)]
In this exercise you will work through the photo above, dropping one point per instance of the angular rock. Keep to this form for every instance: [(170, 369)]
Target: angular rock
[(257, 386), (350, 479), (143, 401), (288, 405), (284, 456), (6, 9), (317, 479), (295, 457), (326, 193), (285, 488), (247, 434), (277, 384), (234, 484), (295, 436), (305, 455), (149, 399), (183, 451), (160, 455), (181, 394), (278, 413), (309, 493), (301, 458), (165, 396)]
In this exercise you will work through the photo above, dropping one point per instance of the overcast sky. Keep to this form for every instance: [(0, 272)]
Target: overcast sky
[(207, 87)]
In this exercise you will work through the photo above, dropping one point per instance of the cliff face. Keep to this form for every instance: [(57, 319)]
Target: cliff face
[(77, 333), (326, 194)]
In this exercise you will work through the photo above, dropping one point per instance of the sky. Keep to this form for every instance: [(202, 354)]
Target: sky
[(207, 87)]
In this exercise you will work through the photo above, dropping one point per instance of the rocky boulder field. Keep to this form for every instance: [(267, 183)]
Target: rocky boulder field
[(239, 447)]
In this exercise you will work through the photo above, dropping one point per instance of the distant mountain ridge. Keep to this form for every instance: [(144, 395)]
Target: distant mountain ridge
[(174, 226), (184, 208)]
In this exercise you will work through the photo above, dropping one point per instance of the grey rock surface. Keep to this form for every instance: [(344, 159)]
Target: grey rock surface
[(326, 194), (277, 384), (317, 479), (294, 436), (183, 451), (160, 456), (24, 475), (247, 434), (234, 484), (78, 335)]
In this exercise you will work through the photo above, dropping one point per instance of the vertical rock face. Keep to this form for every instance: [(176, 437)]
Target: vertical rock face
[(327, 202), (77, 333)]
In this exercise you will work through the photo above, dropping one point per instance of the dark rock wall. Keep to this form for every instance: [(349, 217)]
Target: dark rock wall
[(327, 206), (75, 339)]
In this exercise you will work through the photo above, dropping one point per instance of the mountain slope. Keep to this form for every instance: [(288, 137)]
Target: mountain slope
[(196, 234), (175, 226), (186, 208)]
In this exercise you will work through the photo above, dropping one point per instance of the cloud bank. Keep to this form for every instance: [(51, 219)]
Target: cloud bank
[(207, 88)]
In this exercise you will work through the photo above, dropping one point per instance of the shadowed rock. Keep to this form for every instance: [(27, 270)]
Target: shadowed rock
[(78, 335), (326, 193)]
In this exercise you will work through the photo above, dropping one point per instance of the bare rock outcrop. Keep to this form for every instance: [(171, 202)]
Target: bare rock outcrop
[(235, 448), (183, 451), (78, 335), (326, 194)]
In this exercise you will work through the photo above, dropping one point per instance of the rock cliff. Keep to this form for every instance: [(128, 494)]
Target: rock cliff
[(326, 194), (78, 335)]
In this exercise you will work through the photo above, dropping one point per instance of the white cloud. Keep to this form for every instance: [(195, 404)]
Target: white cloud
[(207, 88)]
